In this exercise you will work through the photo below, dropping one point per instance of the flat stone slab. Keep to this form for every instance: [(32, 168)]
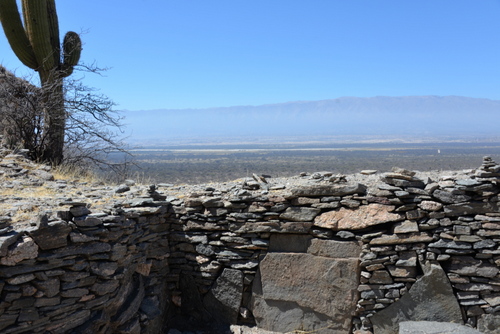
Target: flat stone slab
[(434, 327), (334, 249), (395, 239), (368, 171), (474, 208), (305, 290), (328, 190), (359, 218), (300, 214), (271, 226)]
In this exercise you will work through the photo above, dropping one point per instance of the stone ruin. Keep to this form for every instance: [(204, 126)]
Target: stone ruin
[(318, 255)]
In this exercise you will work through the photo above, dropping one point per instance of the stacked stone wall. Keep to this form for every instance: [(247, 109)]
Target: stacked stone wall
[(97, 272), (326, 256), (400, 225)]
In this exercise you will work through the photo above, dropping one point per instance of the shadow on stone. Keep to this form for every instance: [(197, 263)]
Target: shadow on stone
[(431, 298)]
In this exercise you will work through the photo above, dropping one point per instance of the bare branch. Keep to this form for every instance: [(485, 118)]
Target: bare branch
[(93, 129)]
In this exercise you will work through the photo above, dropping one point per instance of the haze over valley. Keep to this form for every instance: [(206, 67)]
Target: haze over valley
[(343, 135), (352, 119)]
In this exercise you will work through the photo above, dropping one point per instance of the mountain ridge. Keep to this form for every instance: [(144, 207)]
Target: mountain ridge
[(428, 115), (343, 99)]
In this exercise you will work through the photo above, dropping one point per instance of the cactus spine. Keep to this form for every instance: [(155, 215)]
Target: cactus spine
[(37, 45)]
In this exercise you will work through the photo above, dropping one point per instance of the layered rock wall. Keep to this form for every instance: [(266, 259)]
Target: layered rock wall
[(92, 273), (324, 255), (401, 225)]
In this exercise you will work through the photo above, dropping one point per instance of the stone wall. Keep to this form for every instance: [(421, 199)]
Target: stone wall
[(402, 225), (90, 273), (324, 255)]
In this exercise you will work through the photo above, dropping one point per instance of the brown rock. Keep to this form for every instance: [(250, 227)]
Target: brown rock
[(493, 299), (355, 219), (143, 268)]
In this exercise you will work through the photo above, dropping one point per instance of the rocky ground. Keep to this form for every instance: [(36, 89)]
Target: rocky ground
[(28, 190)]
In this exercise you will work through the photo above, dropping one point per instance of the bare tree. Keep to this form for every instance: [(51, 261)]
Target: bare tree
[(92, 127)]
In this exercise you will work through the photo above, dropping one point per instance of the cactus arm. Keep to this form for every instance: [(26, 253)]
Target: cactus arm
[(37, 27), (72, 47), (14, 31)]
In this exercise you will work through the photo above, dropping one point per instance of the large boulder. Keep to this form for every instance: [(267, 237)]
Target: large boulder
[(297, 291), (430, 298), (223, 301), (489, 323)]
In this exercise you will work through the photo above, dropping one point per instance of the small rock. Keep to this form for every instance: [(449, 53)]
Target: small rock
[(122, 188), (129, 183)]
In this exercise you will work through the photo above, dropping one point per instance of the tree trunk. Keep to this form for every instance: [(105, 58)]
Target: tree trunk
[(54, 117)]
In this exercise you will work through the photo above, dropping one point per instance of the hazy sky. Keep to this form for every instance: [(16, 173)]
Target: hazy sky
[(214, 53)]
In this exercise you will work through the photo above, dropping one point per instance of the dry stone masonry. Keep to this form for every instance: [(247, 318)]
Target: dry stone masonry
[(397, 252)]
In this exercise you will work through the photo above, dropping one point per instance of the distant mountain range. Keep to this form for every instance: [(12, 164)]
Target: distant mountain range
[(415, 116)]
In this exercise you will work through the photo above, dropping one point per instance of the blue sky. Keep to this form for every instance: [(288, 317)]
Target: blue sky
[(215, 53)]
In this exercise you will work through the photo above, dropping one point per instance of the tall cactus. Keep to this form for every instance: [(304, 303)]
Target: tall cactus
[(35, 41)]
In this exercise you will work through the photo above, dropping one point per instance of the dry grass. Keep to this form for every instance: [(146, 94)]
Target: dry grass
[(75, 174), (28, 192), (25, 216), (23, 200), (27, 212)]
